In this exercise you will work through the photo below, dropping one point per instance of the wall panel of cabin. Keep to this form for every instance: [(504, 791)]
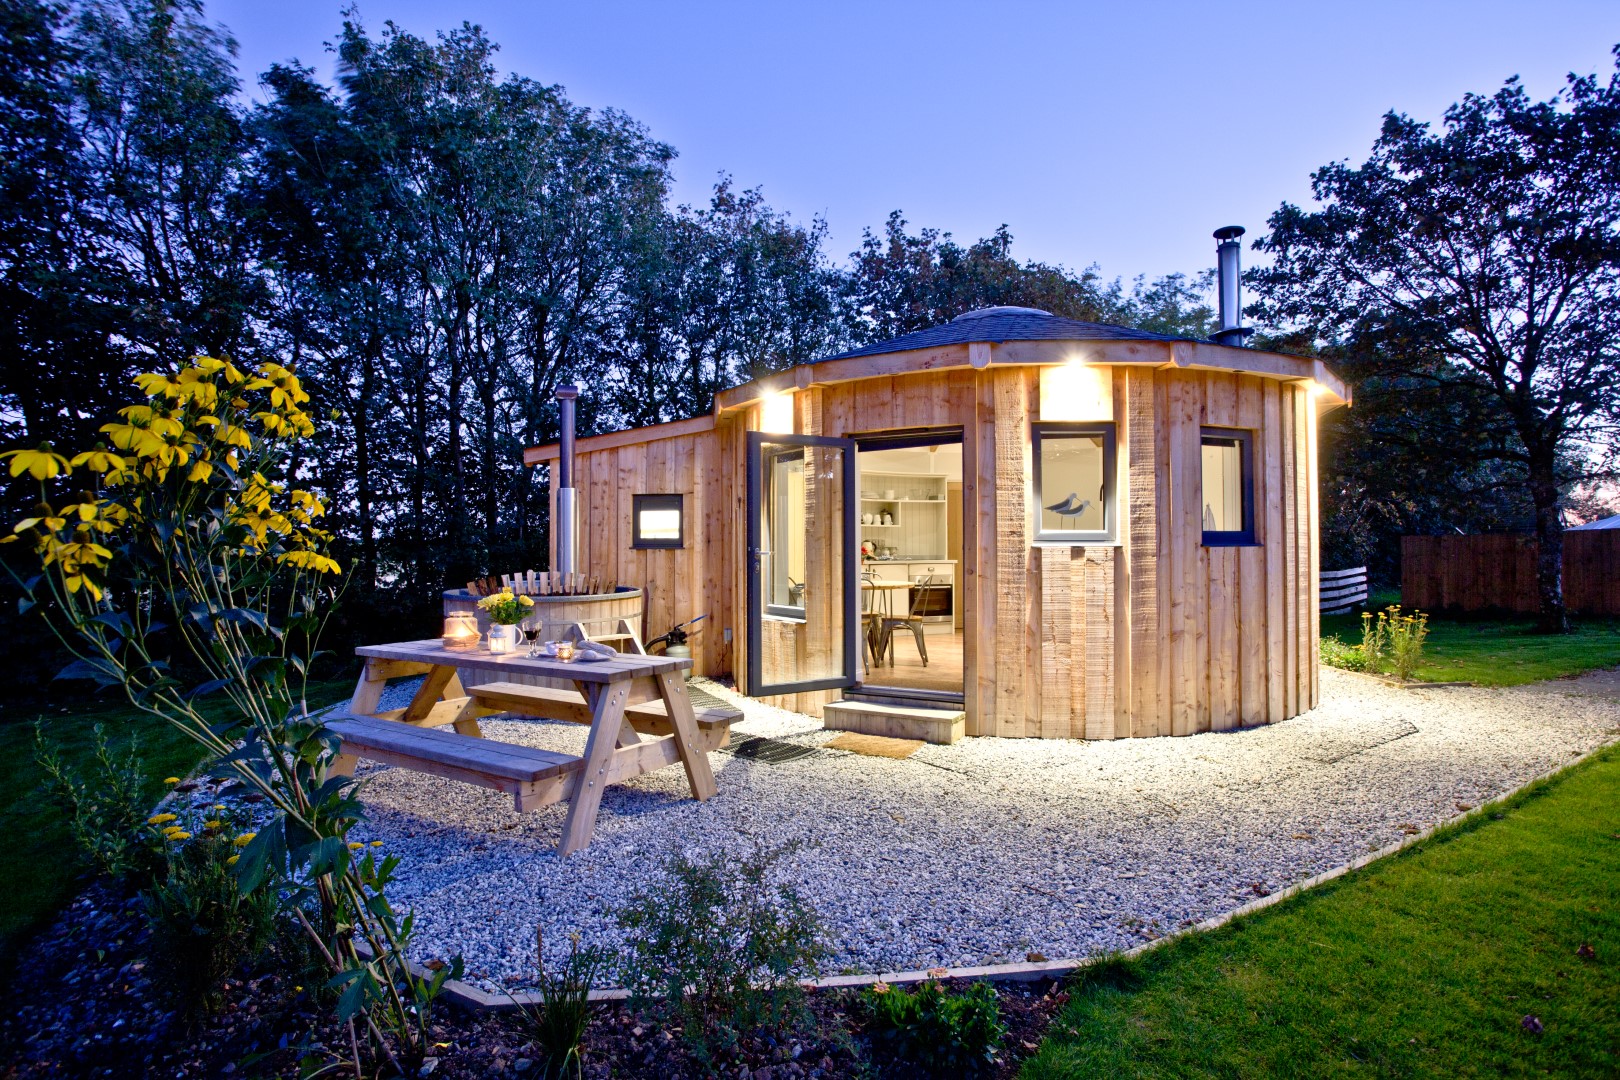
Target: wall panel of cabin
[(1156, 635)]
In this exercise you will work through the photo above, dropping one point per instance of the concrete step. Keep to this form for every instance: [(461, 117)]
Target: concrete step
[(895, 721)]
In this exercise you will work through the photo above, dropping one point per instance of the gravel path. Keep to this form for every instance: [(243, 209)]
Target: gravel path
[(990, 849)]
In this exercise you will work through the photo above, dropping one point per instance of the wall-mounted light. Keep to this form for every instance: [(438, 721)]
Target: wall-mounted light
[(1077, 391), (776, 413)]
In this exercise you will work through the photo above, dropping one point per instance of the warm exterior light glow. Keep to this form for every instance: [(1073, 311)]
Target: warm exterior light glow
[(776, 413), (1077, 391), (1317, 389)]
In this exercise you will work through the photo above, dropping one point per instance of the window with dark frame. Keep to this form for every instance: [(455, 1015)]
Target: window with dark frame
[(657, 521), (1226, 491), (1074, 482)]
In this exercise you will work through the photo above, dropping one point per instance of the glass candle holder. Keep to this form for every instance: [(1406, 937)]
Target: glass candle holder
[(461, 630), (565, 650)]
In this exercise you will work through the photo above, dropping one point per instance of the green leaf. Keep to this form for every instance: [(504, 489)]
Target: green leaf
[(265, 853), (103, 673)]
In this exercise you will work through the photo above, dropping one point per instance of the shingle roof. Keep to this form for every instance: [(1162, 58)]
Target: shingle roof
[(1006, 324)]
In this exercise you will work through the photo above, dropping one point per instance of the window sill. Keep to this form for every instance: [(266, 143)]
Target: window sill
[(1234, 543)]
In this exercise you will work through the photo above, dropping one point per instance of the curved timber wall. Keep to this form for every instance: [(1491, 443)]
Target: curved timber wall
[(1152, 635)]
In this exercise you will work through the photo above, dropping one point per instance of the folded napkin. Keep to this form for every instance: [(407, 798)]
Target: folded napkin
[(596, 648)]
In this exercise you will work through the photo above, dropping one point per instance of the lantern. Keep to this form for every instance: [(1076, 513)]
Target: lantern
[(461, 630)]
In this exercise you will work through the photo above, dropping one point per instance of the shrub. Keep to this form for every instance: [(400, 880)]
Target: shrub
[(558, 1026), (1405, 635), (719, 948), (183, 561), (935, 1033), (203, 925), (1336, 653), (104, 811)]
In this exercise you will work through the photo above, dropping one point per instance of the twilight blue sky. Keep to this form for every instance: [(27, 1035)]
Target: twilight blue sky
[(1115, 133)]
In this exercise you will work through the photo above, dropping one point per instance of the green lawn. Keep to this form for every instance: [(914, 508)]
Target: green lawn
[(1424, 964), (43, 868), (1498, 653)]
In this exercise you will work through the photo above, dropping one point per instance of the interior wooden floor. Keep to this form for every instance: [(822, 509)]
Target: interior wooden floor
[(944, 670)]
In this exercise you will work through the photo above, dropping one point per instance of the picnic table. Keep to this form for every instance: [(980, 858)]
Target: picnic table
[(637, 707)]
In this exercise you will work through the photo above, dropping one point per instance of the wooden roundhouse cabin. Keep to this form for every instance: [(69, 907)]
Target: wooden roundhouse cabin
[(1090, 531)]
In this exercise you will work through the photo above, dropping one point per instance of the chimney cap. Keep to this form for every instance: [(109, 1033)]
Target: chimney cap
[(1228, 232), (566, 391)]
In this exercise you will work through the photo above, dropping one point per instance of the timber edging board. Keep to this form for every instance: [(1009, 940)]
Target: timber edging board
[(479, 1000)]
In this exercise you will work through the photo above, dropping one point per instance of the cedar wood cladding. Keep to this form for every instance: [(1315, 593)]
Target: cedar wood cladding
[(1157, 635)]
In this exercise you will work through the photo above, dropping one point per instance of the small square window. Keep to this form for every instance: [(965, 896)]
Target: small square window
[(659, 521), (1227, 489), (1074, 483)]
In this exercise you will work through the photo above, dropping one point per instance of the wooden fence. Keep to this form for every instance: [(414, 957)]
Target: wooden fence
[(1486, 573), (1342, 590)]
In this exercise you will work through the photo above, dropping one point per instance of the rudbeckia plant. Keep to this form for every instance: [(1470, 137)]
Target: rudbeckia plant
[(182, 544)]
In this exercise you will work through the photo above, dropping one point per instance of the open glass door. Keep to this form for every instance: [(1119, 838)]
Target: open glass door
[(803, 603)]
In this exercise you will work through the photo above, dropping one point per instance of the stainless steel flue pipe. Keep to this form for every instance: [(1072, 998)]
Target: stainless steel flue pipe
[(566, 528)]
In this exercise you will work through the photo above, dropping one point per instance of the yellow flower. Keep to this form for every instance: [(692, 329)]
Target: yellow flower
[(232, 860), (310, 560), (98, 460), (244, 840), (171, 779), (179, 836), (201, 471), (219, 806), (526, 601), (212, 823), (376, 843), (41, 464), (355, 845), (159, 819), (135, 439), (880, 987)]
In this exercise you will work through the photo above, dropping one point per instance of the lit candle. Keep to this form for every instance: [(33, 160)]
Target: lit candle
[(565, 650), (461, 630)]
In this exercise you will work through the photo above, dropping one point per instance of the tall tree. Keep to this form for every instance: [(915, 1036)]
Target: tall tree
[(1483, 261)]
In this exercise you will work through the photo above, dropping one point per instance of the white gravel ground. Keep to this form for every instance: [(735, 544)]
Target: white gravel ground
[(990, 849)]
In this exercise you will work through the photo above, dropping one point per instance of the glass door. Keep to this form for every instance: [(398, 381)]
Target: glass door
[(803, 598)]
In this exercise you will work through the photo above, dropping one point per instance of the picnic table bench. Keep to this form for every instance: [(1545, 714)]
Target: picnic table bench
[(637, 707)]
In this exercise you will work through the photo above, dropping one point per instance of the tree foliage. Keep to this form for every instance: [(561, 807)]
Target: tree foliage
[(433, 246), (1476, 269)]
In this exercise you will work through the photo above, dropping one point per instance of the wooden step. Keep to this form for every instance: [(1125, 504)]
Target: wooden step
[(896, 721)]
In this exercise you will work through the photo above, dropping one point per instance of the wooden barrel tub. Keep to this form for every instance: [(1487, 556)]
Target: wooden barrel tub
[(596, 616)]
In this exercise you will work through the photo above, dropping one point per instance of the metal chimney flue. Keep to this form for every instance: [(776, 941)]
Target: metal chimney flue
[(1232, 331), (565, 528)]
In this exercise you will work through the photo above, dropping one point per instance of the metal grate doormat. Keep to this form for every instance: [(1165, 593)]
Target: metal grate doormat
[(770, 751), (703, 701)]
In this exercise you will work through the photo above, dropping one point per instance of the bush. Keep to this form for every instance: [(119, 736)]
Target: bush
[(104, 811), (935, 1033), (1405, 635), (719, 949), (1336, 653), (558, 1026), (203, 925)]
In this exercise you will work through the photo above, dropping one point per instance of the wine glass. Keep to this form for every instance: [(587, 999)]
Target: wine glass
[(531, 633)]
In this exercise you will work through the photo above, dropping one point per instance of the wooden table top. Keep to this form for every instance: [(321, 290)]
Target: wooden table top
[(619, 669), (887, 584)]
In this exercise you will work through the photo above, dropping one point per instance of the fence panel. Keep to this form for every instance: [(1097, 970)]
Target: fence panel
[(1342, 590), (1498, 572)]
